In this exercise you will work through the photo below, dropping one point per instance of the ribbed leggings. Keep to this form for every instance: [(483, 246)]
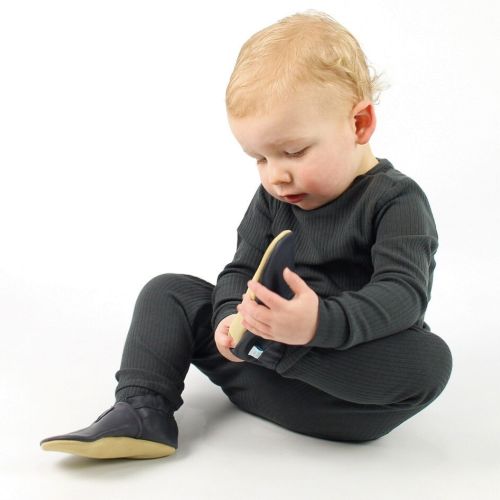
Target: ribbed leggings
[(358, 394)]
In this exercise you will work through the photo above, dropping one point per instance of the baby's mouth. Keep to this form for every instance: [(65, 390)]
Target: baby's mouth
[(296, 198)]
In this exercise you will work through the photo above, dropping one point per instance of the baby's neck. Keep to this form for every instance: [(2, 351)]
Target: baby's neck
[(368, 160)]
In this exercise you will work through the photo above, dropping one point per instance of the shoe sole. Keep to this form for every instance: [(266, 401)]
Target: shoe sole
[(111, 447), (236, 330)]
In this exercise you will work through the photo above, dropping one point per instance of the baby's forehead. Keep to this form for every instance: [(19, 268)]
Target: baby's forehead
[(287, 140)]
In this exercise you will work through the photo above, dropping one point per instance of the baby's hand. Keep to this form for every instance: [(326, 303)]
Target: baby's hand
[(223, 340), (293, 321)]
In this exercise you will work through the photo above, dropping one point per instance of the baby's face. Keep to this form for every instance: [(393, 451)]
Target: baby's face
[(301, 150)]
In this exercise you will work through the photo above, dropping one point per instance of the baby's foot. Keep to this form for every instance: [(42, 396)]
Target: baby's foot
[(139, 427)]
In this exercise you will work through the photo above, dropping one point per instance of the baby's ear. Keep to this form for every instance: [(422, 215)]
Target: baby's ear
[(365, 121)]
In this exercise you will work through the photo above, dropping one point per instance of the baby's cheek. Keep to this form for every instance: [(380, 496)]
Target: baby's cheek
[(312, 185)]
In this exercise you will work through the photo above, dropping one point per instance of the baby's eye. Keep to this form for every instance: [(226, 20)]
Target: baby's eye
[(298, 154)]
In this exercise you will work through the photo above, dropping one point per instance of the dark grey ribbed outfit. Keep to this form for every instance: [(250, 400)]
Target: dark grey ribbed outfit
[(373, 363)]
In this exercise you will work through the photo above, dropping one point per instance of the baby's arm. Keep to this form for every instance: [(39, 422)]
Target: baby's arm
[(232, 281), (397, 295)]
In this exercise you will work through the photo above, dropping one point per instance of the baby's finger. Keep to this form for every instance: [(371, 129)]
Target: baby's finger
[(224, 339), (220, 337)]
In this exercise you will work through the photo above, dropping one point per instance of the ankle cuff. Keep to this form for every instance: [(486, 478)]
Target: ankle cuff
[(152, 400)]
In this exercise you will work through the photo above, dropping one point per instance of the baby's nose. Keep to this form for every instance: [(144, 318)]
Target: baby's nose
[(278, 173)]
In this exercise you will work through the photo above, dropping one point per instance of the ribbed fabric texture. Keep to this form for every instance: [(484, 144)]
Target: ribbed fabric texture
[(373, 362), (350, 395), (369, 255), (169, 315)]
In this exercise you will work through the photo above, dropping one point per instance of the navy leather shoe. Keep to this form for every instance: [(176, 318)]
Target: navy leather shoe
[(279, 254), (140, 427)]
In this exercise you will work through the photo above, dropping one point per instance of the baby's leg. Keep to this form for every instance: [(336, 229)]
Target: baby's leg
[(358, 394), (155, 360), (172, 313), (385, 381)]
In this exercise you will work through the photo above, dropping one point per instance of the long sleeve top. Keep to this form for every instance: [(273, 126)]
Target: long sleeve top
[(368, 255)]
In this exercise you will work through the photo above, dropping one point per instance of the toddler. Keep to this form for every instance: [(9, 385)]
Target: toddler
[(357, 359)]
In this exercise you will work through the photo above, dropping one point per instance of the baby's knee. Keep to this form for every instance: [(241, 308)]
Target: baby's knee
[(443, 361), (164, 280), (180, 287), (434, 368), (164, 285), (161, 283)]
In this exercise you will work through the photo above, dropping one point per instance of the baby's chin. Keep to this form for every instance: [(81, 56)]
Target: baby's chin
[(311, 203)]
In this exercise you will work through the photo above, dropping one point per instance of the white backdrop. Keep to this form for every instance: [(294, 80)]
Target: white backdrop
[(117, 164)]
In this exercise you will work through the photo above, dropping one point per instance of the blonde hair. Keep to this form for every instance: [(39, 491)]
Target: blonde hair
[(308, 48)]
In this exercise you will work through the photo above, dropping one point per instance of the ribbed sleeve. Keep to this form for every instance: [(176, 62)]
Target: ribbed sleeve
[(397, 294), (253, 237)]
